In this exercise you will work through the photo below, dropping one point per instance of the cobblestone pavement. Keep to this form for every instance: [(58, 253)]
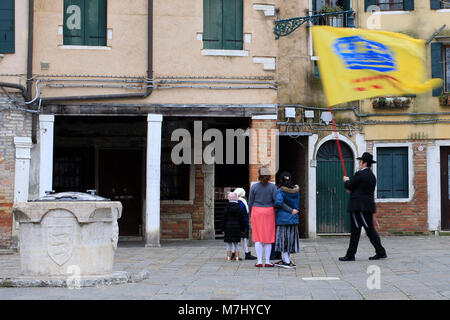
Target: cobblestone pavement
[(416, 268)]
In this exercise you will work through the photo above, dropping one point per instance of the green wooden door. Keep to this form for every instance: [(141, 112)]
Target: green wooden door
[(331, 196)]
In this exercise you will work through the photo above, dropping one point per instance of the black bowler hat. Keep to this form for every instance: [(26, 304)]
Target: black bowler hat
[(366, 157)]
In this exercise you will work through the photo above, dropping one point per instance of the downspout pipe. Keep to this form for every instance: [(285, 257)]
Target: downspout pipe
[(29, 92), (124, 95), (22, 89)]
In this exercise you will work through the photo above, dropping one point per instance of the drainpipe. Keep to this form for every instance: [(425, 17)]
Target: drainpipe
[(125, 95), (22, 89), (34, 116)]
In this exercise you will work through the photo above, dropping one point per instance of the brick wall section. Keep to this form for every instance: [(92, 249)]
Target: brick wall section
[(412, 216), (12, 123), (179, 228), (259, 148)]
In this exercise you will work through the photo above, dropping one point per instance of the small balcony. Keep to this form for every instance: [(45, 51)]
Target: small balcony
[(341, 19)]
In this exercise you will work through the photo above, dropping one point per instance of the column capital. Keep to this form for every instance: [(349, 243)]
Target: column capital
[(47, 118), (151, 117), (23, 142)]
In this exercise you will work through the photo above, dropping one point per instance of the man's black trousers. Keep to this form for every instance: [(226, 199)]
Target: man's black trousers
[(363, 219)]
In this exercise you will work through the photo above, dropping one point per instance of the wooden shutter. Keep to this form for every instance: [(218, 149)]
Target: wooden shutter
[(73, 33), (400, 188), (95, 26), (392, 171), (408, 5), (232, 24), (346, 5), (368, 3), (7, 26), (435, 4), (212, 24), (437, 61)]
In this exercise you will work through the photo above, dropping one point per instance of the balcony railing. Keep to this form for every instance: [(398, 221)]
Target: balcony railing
[(336, 19), (285, 27)]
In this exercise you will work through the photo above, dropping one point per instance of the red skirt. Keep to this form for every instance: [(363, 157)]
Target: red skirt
[(263, 224)]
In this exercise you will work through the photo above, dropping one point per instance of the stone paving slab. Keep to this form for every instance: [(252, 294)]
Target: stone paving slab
[(417, 268)]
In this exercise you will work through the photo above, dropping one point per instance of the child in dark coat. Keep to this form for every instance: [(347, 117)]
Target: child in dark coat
[(233, 225)]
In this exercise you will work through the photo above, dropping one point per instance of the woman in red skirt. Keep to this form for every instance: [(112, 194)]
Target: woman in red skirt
[(261, 205)]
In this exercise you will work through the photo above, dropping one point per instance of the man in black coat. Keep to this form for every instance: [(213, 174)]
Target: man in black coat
[(361, 208)]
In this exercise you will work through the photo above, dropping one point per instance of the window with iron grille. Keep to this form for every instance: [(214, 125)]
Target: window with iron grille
[(175, 179), (389, 5), (84, 22)]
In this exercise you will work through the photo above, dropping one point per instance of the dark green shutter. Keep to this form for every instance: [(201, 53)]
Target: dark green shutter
[(6, 26), (346, 5), (437, 65), (400, 174), (212, 24), (95, 26), (73, 36), (435, 4), (232, 24), (408, 5), (368, 3), (392, 172)]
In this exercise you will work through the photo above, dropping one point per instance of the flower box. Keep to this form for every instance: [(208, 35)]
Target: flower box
[(391, 102)]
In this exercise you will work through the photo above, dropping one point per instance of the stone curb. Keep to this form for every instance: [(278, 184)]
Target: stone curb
[(115, 278)]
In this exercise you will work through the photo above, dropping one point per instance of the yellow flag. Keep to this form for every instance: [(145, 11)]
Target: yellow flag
[(357, 64)]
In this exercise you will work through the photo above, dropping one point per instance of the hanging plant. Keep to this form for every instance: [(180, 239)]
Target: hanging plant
[(330, 9)]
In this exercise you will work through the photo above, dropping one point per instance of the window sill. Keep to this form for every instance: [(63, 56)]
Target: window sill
[(85, 47), (393, 200), (390, 12), (177, 202), (443, 10), (224, 53)]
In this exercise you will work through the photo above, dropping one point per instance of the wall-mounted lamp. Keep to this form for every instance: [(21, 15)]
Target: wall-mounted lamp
[(1, 57)]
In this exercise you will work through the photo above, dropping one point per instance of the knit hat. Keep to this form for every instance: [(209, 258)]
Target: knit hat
[(232, 196), (240, 192)]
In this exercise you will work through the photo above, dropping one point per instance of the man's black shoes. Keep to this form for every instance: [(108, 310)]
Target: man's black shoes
[(378, 256), (345, 258)]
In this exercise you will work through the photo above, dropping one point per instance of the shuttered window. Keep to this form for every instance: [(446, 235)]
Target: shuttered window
[(392, 173), (85, 22), (390, 5), (223, 24), (437, 65), (6, 26), (447, 69), (439, 4)]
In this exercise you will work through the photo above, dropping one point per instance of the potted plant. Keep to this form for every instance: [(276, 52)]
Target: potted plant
[(332, 20), (444, 100), (391, 102)]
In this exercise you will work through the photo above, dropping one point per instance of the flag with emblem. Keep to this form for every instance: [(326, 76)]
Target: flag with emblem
[(357, 64)]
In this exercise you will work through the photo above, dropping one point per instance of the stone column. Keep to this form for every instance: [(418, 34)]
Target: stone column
[(46, 124), (21, 176), (152, 211), (208, 232), (22, 168), (263, 145), (312, 195)]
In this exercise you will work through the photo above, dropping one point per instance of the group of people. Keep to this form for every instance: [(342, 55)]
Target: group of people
[(274, 219), (274, 216)]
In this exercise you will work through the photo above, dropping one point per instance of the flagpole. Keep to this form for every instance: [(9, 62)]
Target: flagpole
[(341, 158)]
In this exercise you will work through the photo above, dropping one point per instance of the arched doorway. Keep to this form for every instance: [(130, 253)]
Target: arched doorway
[(332, 198)]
